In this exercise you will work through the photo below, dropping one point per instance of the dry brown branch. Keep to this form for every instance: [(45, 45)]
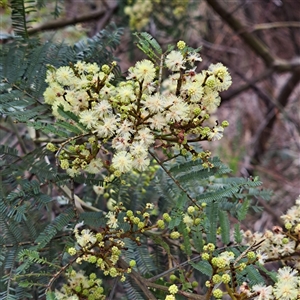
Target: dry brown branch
[(273, 25), (230, 94), (263, 135), (237, 26)]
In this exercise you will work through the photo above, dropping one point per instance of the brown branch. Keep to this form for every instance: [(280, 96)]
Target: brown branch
[(144, 283), (237, 26), (230, 94), (263, 135), (140, 281), (273, 25), (60, 23)]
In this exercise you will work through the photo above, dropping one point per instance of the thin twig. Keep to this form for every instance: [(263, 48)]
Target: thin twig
[(175, 181), (57, 274), (273, 25)]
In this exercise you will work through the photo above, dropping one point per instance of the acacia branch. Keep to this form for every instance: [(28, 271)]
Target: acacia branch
[(144, 284), (62, 22)]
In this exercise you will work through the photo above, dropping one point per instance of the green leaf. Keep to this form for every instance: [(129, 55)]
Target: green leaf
[(197, 240), (152, 42), (225, 227), (186, 239), (243, 210), (48, 129), (238, 237), (50, 296), (212, 220), (69, 127), (203, 266), (253, 275)]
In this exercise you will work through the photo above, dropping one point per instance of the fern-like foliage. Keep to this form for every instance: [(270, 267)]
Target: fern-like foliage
[(19, 11), (34, 228)]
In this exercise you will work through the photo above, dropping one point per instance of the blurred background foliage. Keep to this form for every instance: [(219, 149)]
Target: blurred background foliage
[(259, 41)]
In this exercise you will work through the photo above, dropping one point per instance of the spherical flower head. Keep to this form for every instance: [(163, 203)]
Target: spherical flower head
[(218, 294), (225, 123), (72, 251), (190, 210), (108, 126), (223, 78), (175, 61), (226, 278), (181, 45), (158, 122), (132, 263), (264, 292), (166, 217), (211, 82), (173, 289), (138, 149), (102, 109), (193, 57), (154, 103), (65, 76), (216, 133), (194, 91), (187, 220), (145, 136), (88, 118), (174, 235), (64, 164), (53, 92), (285, 291), (92, 259), (149, 205), (216, 279), (160, 224), (94, 166), (170, 297), (105, 69), (143, 71), (51, 147), (178, 112), (210, 247), (113, 272), (112, 220), (287, 275), (251, 255), (210, 100), (122, 161), (205, 256), (261, 257), (86, 237)]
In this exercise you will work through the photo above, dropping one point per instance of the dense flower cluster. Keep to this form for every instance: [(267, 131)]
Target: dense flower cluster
[(104, 249), (280, 242), (141, 11), (126, 119), (287, 287), (277, 245), (80, 286)]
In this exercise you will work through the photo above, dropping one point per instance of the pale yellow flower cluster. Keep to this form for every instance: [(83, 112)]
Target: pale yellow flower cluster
[(80, 286), (279, 242), (286, 287), (140, 12), (127, 118)]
